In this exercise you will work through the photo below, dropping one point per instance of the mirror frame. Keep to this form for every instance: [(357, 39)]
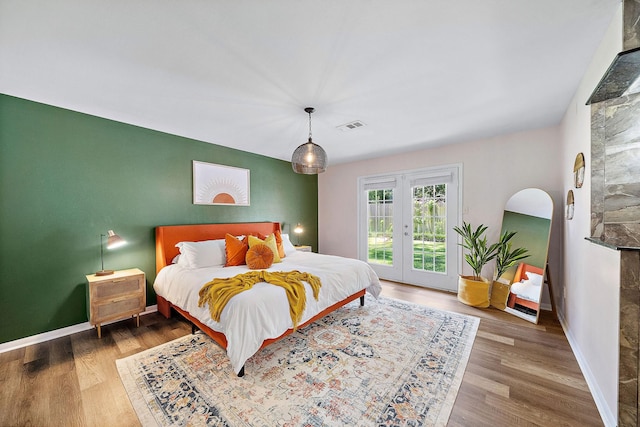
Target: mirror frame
[(529, 213)]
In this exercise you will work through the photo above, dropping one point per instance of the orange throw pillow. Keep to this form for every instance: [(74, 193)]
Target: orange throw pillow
[(279, 243), (259, 257), (235, 249)]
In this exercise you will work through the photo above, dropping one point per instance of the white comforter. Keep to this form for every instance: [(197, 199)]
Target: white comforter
[(529, 289), (263, 311)]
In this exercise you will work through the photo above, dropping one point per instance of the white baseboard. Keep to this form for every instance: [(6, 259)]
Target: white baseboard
[(609, 417), (62, 332)]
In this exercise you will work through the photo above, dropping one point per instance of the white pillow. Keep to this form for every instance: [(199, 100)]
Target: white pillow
[(182, 261), (534, 278), (207, 253), (287, 245)]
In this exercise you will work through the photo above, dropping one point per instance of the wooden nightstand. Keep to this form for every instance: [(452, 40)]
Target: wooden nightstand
[(303, 248), (116, 296)]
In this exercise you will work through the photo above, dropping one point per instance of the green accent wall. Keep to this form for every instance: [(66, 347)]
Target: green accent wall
[(67, 177)]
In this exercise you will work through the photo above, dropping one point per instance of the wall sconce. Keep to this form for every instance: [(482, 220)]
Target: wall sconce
[(298, 231), (570, 205), (578, 171), (113, 241)]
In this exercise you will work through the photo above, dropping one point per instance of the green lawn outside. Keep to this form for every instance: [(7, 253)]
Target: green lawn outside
[(424, 254)]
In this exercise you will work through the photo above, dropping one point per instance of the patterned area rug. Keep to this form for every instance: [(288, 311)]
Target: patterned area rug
[(387, 363)]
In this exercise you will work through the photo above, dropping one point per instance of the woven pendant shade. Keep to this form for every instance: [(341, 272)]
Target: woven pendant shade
[(309, 158)]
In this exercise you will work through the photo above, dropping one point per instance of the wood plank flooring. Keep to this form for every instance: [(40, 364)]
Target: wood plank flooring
[(519, 374)]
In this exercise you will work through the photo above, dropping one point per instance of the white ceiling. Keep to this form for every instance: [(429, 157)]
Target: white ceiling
[(239, 73)]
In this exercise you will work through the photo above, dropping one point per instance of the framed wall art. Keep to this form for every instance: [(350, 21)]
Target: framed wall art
[(220, 185)]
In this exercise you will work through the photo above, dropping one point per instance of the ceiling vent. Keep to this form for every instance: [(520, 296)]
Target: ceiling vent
[(357, 124)]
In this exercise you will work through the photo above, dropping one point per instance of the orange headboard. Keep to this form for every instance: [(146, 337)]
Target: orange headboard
[(168, 235), (524, 268)]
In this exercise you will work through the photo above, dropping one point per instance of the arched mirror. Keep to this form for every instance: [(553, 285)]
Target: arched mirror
[(519, 289)]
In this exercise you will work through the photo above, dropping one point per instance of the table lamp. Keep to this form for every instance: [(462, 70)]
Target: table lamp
[(113, 241), (298, 230)]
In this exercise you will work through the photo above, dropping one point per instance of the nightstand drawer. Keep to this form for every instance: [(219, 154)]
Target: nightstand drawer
[(117, 309), (117, 287)]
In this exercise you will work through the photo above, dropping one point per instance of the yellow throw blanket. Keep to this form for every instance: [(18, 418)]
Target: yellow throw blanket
[(218, 292)]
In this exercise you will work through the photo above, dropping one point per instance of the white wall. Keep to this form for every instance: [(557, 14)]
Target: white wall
[(590, 316), (493, 170)]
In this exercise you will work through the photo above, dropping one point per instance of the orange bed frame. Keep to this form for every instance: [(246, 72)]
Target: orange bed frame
[(166, 239), (520, 274)]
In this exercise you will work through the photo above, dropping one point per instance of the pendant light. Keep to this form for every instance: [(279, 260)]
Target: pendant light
[(309, 158)]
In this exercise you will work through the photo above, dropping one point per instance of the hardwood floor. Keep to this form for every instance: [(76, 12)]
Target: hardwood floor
[(519, 374)]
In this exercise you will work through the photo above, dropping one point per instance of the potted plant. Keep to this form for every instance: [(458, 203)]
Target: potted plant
[(474, 290), (506, 257)]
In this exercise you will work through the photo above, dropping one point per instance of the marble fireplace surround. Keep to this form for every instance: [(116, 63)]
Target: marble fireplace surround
[(615, 197), (615, 223)]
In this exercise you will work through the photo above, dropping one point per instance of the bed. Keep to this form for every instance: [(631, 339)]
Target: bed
[(526, 287), (250, 320)]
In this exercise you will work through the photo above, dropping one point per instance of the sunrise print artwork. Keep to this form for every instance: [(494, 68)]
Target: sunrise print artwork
[(220, 185)]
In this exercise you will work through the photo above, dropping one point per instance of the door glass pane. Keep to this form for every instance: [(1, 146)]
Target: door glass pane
[(430, 228), (380, 226)]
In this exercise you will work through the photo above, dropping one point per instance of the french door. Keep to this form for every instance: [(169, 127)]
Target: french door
[(405, 226)]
